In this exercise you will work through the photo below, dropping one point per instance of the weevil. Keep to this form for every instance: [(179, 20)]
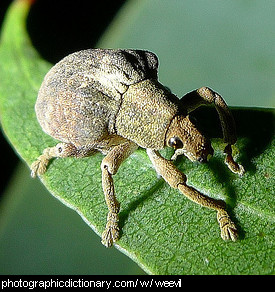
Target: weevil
[(111, 101)]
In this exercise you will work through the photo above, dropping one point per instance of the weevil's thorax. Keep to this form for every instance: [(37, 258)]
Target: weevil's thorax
[(145, 113)]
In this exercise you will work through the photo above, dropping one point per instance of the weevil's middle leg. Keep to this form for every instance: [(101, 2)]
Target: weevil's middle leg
[(177, 180), (109, 167), (205, 95)]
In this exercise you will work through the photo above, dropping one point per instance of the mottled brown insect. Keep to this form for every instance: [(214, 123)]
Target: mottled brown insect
[(111, 101)]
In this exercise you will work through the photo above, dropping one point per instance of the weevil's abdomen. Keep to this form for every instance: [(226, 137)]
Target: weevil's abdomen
[(80, 96), (69, 116)]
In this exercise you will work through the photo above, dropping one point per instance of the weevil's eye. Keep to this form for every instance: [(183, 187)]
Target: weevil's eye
[(175, 142)]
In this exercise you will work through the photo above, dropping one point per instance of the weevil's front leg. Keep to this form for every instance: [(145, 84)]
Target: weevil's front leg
[(205, 95), (109, 167), (177, 180)]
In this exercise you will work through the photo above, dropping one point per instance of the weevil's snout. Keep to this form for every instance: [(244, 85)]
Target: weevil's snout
[(185, 138)]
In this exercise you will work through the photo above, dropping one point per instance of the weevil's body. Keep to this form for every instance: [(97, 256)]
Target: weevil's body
[(86, 98), (111, 101)]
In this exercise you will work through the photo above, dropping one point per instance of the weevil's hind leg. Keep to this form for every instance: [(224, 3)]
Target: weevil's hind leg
[(205, 95), (109, 167), (39, 166), (177, 180)]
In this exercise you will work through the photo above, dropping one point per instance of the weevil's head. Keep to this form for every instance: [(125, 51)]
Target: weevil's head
[(185, 138)]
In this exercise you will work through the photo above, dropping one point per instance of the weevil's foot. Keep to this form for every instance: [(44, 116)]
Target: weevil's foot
[(111, 233), (228, 228), (177, 153), (39, 167), (109, 236), (233, 165), (240, 170)]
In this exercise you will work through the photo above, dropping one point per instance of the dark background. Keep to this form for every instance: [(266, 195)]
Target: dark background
[(56, 29)]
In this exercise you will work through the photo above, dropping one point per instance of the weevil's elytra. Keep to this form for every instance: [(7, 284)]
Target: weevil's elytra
[(111, 101)]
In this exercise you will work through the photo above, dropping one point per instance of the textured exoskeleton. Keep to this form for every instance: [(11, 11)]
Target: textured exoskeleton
[(111, 101)]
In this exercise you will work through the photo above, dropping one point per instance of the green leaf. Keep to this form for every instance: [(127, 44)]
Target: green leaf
[(161, 230)]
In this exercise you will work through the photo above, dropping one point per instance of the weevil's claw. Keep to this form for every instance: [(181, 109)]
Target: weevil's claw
[(109, 236), (111, 232), (177, 153), (232, 165), (228, 228), (173, 158), (39, 166), (241, 170)]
